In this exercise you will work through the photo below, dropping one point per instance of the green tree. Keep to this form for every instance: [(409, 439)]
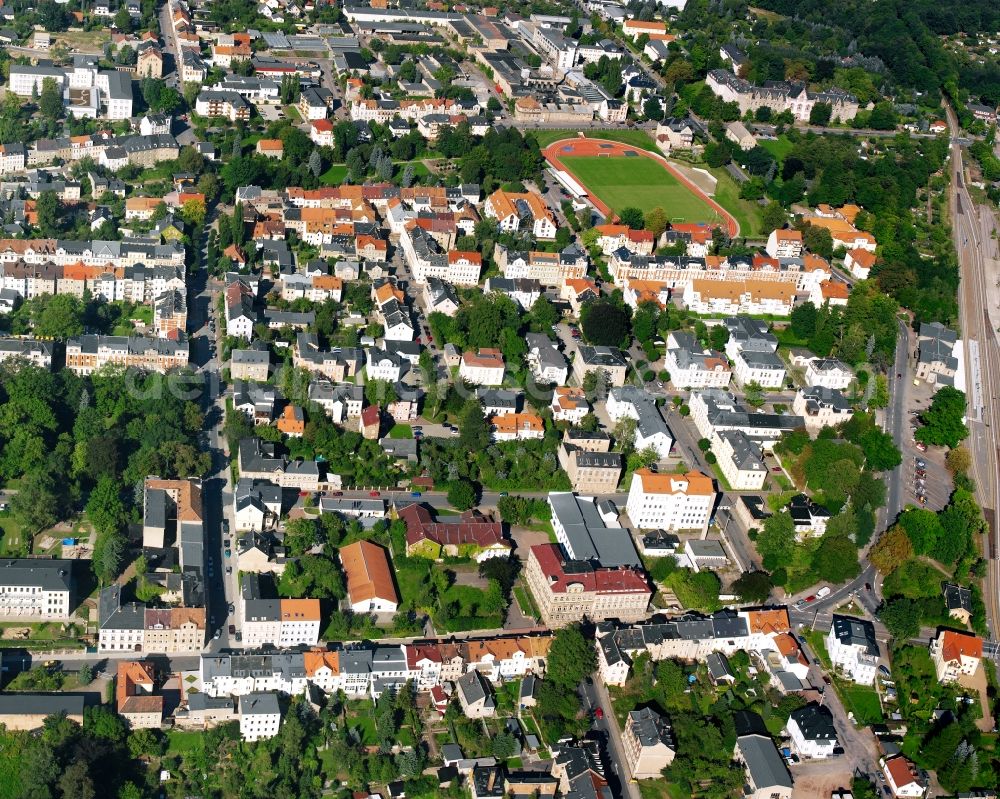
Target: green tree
[(891, 549), (836, 559), (461, 494), (942, 421), (474, 431), (776, 541), (604, 323), (38, 503), (774, 216), (820, 114), (656, 221), (632, 217), (58, 316), (543, 315), (753, 393), (571, 658), (753, 587), (50, 103), (880, 451), (901, 617)]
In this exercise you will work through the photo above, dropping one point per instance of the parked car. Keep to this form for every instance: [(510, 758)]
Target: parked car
[(232, 629), (415, 494), (374, 494), (824, 591)]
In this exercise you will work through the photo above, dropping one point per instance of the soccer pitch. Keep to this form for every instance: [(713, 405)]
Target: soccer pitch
[(623, 181)]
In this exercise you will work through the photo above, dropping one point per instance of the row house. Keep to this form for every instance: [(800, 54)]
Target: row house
[(549, 269), (614, 237), (315, 288), (133, 627), (338, 364), (694, 637), (729, 297), (384, 111), (367, 670), (426, 259), (516, 211), (780, 96), (88, 353), (675, 272)]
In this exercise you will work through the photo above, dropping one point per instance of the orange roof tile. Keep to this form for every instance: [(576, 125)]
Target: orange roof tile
[(955, 645), (692, 483), (366, 566)]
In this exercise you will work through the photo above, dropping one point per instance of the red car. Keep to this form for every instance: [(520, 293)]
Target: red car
[(374, 494), (304, 493), (809, 598), (598, 713)]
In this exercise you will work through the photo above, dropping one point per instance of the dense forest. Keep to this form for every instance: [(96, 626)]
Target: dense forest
[(905, 35)]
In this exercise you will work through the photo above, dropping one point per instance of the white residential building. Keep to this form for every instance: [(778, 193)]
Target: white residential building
[(740, 460), (956, 655), (763, 368), (812, 732), (485, 368), (828, 373), (691, 366), (35, 589), (260, 716), (784, 243), (670, 501), (853, 648)]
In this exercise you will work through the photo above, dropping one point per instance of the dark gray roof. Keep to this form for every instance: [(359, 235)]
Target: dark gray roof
[(589, 538), (18, 704), (957, 596), (650, 727), (763, 762), (852, 631), (49, 575), (259, 703), (816, 722)]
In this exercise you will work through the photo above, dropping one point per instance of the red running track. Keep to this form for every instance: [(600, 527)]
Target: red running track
[(594, 147)]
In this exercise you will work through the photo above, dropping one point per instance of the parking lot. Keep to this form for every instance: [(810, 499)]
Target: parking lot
[(928, 485)]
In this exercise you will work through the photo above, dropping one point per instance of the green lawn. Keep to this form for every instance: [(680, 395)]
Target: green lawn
[(178, 742), (747, 213), (334, 176), (401, 431), (637, 138), (862, 701), (779, 147), (622, 182)]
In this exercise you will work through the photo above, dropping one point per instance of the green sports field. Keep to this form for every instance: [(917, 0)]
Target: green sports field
[(623, 181)]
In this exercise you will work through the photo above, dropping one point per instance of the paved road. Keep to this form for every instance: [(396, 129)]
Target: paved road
[(596, 694), (895, 416)]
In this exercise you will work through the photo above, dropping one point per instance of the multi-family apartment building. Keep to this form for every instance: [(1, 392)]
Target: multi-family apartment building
[(780, 96), (567, 591), (88, 353), (515, 211), (36, 589), (676, 272), (956, 655), (670, 501), (276, 622), (729, 297), (30, 350), (548, 268), (693, 366)]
